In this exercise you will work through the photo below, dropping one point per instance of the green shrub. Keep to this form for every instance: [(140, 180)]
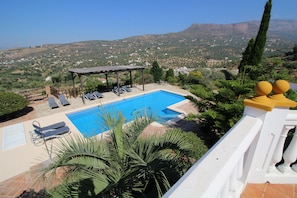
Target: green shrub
[(202, 92), (91, 85), (197, 143), (171, 80), (11, 102)]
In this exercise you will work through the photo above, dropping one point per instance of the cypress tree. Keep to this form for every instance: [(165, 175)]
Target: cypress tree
[(295, 53), (246, 55), (254, 51), (259, 46)]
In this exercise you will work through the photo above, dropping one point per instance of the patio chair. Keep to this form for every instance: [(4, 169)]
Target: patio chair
[(89, 96), (52, 103), (37, 135), (63, 100), (97, 94), (57, 125), (127, 89)]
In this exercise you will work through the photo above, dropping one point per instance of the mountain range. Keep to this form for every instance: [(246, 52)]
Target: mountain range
[(204, 45), (285, 29)]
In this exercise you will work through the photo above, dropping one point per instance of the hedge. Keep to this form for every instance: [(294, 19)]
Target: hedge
[(11, 102)]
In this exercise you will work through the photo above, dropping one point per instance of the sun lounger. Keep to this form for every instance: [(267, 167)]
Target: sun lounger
[(57, 125), (89, 96), (97, 94), (127, 89), (115, 90), (52, 103), (118, 91), (63, 100), (55, 133)]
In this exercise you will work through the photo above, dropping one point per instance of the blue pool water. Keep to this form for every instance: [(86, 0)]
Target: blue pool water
[(90, 123)]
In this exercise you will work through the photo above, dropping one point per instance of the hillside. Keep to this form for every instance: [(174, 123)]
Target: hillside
[(200, 45)]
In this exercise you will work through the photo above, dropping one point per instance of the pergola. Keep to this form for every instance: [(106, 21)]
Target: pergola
[(103, 70)]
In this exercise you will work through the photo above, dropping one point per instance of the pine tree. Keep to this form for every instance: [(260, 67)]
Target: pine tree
[(156, 71), (169, 74)]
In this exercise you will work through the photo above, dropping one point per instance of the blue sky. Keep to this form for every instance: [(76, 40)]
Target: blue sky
[(27, 23)]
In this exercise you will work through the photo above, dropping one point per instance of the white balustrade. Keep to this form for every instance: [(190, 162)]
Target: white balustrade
[(228, 166), (278, 152), (220, 172), (285, 171), (250, 152), (290, 155)]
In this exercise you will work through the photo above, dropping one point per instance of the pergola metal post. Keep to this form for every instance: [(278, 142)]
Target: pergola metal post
[(142, 79), (131, 78), (106, 78), (82, 89), (118, 83), (73, 84)]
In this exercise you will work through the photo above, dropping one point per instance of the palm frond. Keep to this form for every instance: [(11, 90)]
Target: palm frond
[(124, 164), (115, 123), (75, 155), (162, 183), (132, 130)]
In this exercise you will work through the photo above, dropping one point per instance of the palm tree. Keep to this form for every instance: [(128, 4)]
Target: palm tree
[(124, 164)]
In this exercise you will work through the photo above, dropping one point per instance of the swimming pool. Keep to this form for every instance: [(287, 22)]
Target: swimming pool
[(90, 123)]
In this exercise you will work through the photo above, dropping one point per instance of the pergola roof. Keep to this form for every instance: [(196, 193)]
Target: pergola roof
[(104, 69)]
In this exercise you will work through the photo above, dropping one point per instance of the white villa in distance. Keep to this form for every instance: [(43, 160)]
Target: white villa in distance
[(250, 152)]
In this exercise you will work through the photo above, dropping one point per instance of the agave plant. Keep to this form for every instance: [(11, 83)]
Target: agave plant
[(123, 164)]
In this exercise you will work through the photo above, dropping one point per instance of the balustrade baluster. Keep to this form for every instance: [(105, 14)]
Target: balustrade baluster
[(225, 191), (278, 152), (233, 180), (290, 155), (240, 167), (236, 175), (294, 167)]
